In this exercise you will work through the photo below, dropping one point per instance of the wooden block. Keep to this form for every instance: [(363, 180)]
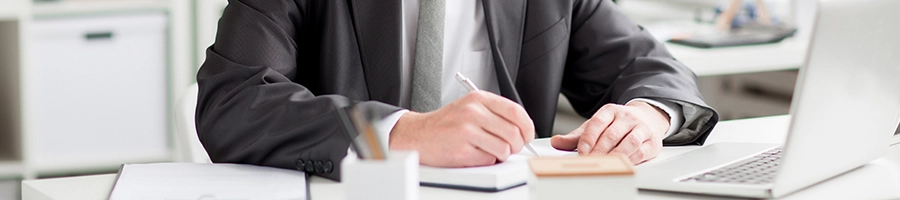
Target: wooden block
[(581, 177), (581, 166)]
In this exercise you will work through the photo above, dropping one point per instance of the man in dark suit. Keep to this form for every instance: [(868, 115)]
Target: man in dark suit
[(279, 69)]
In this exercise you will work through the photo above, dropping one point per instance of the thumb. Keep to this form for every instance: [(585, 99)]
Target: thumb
[(567, 142)]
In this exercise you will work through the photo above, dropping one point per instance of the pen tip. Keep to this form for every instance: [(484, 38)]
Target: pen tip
[(460, 77)]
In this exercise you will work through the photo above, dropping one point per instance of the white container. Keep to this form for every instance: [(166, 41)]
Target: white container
[(581, 177), (396, 178)]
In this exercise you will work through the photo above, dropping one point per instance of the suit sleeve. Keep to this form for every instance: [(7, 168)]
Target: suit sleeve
[(613, 60), (250, 110)]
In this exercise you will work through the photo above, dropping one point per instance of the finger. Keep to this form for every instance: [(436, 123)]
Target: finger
[(632, 141), (567, 142), (620, 127), (507, 109), (489, 143), (474, 157), (594, 126), (649, 150), (501, 128)]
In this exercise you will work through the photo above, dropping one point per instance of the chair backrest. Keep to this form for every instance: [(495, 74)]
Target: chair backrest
[(187, 145)]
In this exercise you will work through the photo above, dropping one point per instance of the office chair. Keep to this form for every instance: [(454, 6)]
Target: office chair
[(187, 145)]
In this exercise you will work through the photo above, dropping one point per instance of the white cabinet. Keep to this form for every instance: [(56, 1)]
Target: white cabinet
[(95, 93)]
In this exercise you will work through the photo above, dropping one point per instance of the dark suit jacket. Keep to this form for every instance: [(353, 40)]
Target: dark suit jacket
[(279, 69)]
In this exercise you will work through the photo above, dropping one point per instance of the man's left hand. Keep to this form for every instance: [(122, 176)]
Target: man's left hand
[(635, 130)]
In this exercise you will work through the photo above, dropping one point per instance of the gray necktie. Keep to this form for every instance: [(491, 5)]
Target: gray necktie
[(426, 77)]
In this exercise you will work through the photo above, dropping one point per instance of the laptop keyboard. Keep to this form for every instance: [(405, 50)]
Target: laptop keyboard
[(759, 169)]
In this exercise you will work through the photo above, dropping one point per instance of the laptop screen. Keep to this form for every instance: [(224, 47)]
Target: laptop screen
[(896, 139), (897, 132)]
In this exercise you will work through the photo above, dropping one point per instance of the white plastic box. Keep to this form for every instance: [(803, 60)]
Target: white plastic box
[(395, 178)]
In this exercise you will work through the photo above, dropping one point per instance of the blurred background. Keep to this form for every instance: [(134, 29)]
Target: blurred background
[(87, 85)]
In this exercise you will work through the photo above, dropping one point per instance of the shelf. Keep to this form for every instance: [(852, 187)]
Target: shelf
[(70, 8)]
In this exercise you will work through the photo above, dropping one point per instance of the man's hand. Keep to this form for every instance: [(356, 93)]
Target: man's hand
[(635, 130), (479, 129)]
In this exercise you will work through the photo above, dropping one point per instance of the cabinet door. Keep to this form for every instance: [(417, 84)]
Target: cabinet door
[(95, 92)]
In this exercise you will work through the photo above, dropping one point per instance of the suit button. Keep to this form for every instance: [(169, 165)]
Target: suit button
[(308, 166), (319, 168), (328, 166), (300, 164)]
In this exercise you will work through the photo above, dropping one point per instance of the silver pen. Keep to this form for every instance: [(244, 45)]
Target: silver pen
[(471, 87)]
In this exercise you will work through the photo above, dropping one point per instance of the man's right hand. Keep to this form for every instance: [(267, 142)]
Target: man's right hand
[(478, 129)]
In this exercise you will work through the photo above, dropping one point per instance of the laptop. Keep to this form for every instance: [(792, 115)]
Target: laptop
[(896, 139), (844, 112)]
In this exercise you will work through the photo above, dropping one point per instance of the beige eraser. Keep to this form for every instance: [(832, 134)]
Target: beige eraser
[(580, 177)]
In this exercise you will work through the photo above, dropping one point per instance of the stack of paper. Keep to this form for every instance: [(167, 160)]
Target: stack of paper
[(207, 181), (513, 172)]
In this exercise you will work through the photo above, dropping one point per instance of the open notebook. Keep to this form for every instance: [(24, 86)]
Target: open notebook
[(509, 174), (502, 176)]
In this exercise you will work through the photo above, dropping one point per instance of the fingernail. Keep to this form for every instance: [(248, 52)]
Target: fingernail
[(584, 147)]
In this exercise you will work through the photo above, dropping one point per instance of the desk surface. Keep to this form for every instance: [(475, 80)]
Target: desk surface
[(788, 54), (876, 180), (664, 19)]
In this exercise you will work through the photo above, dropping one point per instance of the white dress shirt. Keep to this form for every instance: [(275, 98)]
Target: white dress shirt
[(466, 50)]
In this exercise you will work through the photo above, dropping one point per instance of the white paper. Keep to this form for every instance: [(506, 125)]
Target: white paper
[(207, 181)]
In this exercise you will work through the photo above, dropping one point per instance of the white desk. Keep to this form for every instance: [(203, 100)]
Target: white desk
[(876, 180), (663, 18), (788, 54)]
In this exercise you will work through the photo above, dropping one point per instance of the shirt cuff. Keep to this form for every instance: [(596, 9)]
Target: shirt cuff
[(384, 126), (676, 118)]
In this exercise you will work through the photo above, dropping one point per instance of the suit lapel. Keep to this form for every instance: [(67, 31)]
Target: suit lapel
[(377, 25), (505, 21)]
